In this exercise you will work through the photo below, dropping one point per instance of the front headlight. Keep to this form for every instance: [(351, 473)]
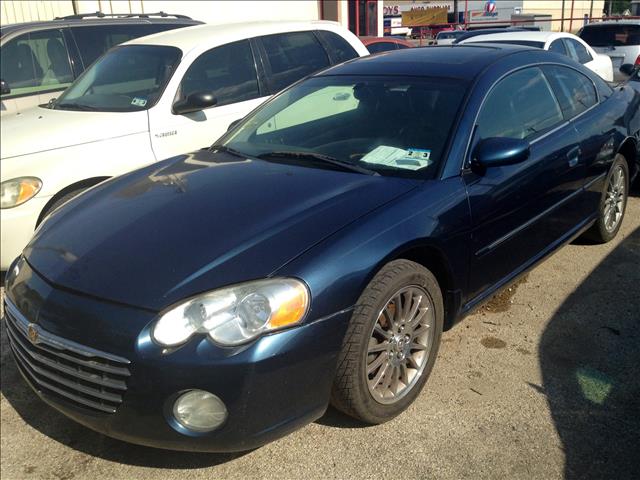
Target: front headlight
[(16, 191), (235, 315)]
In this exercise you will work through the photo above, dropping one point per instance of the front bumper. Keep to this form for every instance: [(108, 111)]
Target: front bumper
[(270, 387), (17, 225)]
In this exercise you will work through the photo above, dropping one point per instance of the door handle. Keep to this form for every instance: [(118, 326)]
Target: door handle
[(574, 156)]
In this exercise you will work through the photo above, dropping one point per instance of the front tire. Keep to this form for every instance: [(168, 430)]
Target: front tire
[(612, 204), (391, 343)]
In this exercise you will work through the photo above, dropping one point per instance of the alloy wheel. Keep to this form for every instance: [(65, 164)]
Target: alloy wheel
[(399, 344), (614, 200)]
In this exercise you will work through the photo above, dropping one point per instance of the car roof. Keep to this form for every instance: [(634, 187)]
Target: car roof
[(189, 38), (450, 61), (526, 35), (93, 21)]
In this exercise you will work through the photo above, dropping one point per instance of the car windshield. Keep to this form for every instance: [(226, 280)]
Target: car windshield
[(449, 35), (125, 79), (386, 125), (611, 35)]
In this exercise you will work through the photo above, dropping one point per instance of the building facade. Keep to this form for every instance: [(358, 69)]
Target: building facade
[(363, 17), (486, 13)]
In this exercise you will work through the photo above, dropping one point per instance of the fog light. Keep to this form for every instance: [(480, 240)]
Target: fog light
[(199, 411)]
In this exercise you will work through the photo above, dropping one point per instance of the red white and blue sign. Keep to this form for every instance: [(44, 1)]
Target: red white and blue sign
[(490, 8)]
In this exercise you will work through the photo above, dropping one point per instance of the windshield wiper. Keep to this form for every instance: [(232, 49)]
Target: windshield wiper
[(74, 106), (318, 157), (224, 148)]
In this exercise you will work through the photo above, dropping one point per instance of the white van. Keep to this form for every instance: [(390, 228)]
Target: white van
[(150, 99)]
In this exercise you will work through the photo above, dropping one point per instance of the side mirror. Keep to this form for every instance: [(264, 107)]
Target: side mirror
[(233, 124), (5, 89), (627, 69), (496, 152), (194, 103)]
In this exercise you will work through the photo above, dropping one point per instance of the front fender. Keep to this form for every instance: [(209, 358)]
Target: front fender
[(338, 269)]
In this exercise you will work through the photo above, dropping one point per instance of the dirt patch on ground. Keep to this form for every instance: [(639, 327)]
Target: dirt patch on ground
[(493, 342), (502, 301)]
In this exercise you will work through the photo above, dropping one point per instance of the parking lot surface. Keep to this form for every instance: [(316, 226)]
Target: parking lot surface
[(540, 383)]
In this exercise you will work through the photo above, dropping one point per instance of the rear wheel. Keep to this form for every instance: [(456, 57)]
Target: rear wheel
[(612, 204), (391, 343)]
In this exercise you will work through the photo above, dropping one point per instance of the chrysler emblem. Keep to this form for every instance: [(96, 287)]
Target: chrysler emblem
[(32, 332)]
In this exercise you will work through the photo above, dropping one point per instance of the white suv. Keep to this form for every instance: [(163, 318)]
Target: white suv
[(150, 99), (619, 39)]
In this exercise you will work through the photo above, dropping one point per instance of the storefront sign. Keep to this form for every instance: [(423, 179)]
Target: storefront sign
[(429, 16)]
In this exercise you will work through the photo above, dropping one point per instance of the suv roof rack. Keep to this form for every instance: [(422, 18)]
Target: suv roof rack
[(122, 15)]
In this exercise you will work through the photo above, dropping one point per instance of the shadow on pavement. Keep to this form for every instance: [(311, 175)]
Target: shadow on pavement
[(56, 426), (590, 355)]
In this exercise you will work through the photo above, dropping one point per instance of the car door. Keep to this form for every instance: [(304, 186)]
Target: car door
[(520, 210), (35, 66), (580, 53), (227, 72), (579, 100)]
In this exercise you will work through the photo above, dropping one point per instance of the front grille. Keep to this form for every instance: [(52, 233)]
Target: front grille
[(81, 375)]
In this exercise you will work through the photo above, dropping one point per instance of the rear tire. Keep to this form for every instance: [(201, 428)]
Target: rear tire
[(612, 204), (391, 343)]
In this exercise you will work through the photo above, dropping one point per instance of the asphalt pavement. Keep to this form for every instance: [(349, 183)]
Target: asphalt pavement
[(541, 383)]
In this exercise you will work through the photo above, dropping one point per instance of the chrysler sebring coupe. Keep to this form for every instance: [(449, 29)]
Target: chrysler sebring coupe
[(314, 254)]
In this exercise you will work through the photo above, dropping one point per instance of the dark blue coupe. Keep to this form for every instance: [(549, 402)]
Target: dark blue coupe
[(218, 300)]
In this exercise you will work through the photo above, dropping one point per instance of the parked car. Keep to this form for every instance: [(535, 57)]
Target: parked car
[(384, 44), (41, 59), (563, 43), (486, 31), (219, 300), (632, 72), (147, 100), (619, 39), (447, 37)]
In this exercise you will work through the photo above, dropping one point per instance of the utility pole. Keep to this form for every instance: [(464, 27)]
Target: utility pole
[(455, 12)]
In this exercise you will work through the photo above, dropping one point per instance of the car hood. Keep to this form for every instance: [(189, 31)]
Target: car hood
[(198, 222), (40, 129)]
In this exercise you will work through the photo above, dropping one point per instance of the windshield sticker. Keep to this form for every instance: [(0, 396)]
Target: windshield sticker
[(138, 102), (410, 159)]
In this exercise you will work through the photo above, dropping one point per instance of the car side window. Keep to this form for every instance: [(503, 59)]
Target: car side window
[(228, 72), (292, 56), (521, 105), (36, 62), (577, 51), (557, 46), (341, 50), (575, 92), (94, 40)]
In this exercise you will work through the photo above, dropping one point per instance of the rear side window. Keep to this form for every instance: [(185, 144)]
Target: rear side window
[(36, 62), (521, 105), (557, 46), (381, 47), (340, 49), (292, 56), (228, 72), (94, 40), (575, 92), (621, 35), (577, 51)]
